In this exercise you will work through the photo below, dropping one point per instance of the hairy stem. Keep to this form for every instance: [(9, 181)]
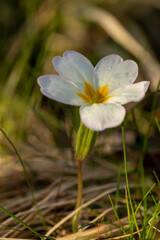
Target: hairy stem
[(80, 184), (75, 221)]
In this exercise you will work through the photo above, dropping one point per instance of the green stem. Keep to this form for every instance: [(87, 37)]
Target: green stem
[(80, 184), (84, 144), (75, 221)]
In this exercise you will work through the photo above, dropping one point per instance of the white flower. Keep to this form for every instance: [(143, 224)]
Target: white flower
[(100, 91)]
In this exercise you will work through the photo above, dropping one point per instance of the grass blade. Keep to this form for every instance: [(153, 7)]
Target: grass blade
[(158, 124), (117, 215), (21, 222), (127, 184), (26, 178), (144, 148)]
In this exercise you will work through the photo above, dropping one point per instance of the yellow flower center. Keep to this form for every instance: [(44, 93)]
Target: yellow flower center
[(91, 95)]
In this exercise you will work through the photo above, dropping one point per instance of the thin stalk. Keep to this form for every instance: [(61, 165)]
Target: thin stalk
[(26, 178), (84, 145), (75, 221), (128, 209), (80, 184)]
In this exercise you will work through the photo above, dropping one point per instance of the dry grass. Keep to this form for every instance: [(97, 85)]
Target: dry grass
[(53, 175)]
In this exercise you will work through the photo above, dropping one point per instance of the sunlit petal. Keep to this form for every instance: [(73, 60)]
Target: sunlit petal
[(104, 67), (114, 72), (132, 93), (54, 87), (74, 67), (101, 116)]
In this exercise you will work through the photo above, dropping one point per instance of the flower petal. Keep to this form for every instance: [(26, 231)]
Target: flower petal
[(132, 93), (54, 87), (101, 116), (113, 71), (74, 67)]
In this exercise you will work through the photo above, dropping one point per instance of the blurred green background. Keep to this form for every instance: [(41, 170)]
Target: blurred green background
[(33, 32)]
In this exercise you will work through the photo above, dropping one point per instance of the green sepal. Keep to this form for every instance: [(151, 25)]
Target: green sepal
[(85, 141)]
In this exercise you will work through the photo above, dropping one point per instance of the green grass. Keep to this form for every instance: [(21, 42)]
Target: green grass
[(36, 234), (158, 124)]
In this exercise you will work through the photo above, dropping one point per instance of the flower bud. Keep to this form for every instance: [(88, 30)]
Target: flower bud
[(84, 142)]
